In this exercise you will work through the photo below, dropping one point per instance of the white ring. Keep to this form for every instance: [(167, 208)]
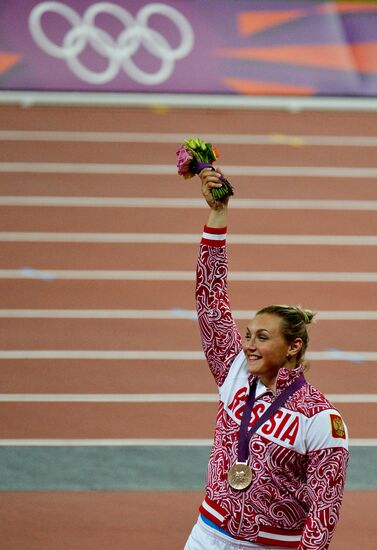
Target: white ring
[(35, 27), (174, 15), (119, 13), (83, 72), (137, 74)]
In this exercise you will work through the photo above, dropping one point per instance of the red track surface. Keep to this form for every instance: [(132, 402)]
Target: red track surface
[(131, 520), (117, 520)]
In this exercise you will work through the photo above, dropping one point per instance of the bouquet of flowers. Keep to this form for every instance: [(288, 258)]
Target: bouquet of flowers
[(194, 155)]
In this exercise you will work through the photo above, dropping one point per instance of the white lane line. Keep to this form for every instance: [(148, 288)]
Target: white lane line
[(177, 138), (153, 398), (159, 314), (167, 355), (188, 101), (107, 442), (123, 355), (168, 202), (170, 169), (185, 238), (56, 442), (158, 275)]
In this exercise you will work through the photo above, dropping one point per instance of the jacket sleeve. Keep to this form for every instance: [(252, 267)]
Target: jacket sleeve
[(326, 474), (221, 340)]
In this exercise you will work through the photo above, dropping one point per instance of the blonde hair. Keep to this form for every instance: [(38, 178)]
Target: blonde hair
[(294, 320)]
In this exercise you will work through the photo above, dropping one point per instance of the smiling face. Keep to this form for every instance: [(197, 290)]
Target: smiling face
[(266, 349)]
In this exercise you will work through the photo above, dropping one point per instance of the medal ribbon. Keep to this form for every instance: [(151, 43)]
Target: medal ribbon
[(244, 434)]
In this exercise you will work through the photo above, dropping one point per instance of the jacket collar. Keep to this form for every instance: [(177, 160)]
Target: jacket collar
[(285, 377)]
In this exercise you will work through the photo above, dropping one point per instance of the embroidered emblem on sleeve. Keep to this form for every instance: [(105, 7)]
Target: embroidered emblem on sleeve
[(337, 427)]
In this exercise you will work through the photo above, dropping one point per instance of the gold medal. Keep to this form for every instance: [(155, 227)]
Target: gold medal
[(240, 476)]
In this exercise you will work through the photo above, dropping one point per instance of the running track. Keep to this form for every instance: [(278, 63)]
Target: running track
[(96, 279)]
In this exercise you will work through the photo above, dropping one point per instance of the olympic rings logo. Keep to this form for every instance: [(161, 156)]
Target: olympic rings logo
[(119, 51)]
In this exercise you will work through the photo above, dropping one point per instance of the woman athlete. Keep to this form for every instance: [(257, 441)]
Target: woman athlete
[(277, 467)]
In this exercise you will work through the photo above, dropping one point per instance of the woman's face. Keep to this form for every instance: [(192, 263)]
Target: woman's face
[(265, 347)]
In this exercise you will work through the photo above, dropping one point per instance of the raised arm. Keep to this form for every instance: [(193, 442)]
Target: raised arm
[(221, 340)]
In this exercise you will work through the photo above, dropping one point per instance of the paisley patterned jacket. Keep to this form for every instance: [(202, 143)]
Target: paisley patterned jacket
[(298, 457)]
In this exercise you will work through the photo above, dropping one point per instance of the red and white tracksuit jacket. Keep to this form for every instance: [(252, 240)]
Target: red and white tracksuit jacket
[(298, 457)]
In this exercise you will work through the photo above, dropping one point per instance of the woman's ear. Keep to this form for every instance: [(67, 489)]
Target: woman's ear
[(295, 347)]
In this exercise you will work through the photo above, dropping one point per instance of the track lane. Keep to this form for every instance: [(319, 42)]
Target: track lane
[(95, 294), (96, 376), (134, 153), (142, 334), (189, 121), (55, 520), (175, 220), (133, 185), (112, 420), (141, 256)]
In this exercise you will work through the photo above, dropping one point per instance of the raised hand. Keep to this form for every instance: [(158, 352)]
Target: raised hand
[(211, 179)]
